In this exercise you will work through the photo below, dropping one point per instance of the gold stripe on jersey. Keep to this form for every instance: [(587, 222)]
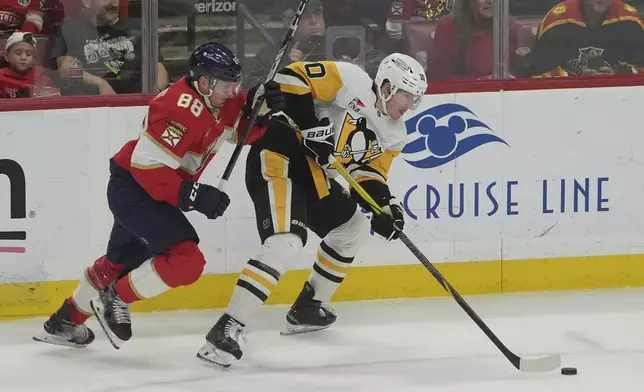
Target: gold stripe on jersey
[(147, 167), (319, 178), (380, 165), (321, 79), (161, 146), (275, 172)]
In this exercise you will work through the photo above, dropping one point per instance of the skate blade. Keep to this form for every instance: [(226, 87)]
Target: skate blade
[(209, 353), (97, 308), (291, 329), (56, 340)]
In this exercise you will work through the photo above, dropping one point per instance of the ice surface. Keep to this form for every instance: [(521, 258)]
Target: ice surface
[(398, 345)]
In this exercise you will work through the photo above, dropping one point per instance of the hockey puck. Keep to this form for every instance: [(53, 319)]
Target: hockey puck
[(569, 371)]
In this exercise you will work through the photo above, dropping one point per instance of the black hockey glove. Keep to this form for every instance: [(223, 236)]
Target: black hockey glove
[(390, 222), (319, 142), (204, 198), (273, 103)]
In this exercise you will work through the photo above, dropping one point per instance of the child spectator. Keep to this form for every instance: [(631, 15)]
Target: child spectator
[(462, 45), (21, 78)]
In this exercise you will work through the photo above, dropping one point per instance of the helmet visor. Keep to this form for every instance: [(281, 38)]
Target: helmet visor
[(232, 88), (406, 99)]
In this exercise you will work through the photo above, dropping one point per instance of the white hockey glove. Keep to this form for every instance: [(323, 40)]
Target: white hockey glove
[(319, 142)]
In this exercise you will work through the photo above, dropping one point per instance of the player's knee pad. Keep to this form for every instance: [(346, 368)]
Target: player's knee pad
[(347, 238), (181, 265), (279, 249)]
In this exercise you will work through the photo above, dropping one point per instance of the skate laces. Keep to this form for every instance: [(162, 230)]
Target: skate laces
[(120, 311)]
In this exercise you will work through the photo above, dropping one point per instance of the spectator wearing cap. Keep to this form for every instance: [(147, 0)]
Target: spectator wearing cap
[(21, 77), (462, 47)]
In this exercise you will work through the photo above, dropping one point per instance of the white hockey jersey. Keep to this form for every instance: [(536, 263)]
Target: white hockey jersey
[(366, 140)]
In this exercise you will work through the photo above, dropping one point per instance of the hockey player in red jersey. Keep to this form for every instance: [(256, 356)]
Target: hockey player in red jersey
[(152, 246)]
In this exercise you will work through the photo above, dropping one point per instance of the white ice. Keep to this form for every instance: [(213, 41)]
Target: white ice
[(397, 345)]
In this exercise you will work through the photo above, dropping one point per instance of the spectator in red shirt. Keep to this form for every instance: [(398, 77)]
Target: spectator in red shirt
[(462, 44), (21, 77), (20, 15)]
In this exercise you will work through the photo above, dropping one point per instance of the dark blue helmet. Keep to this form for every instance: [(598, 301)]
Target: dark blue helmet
[(216, 61)]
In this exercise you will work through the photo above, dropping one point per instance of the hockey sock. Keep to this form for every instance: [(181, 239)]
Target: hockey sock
[(261, 274), (328, 272), (254, 286), (180, 265), (335, 255), (94, 279)]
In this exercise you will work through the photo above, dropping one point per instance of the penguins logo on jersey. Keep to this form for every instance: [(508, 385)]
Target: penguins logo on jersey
[(356, 143)]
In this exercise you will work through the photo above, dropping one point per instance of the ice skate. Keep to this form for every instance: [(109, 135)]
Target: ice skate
[(61, 331), (222, 342), (307, 314), (113, 315)]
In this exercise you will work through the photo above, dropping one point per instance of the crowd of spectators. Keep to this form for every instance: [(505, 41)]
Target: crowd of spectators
[(89, 47)]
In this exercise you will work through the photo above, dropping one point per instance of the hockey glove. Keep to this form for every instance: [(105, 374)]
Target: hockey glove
[(273, 103), (319, 142), (390, 223), (204, 198)]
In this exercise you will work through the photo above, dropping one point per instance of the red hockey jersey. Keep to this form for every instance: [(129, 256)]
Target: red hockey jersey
[(180, 136)]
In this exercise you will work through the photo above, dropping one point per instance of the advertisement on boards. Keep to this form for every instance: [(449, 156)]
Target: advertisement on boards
[(520, 175)]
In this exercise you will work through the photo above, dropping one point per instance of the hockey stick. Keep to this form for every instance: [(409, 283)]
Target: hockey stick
[(543, 364), (259, 101)]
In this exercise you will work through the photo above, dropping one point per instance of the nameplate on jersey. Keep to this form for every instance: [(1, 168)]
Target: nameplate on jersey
[(356, 143)]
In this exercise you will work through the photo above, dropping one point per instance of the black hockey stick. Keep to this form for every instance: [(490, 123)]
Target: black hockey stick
[(259, 101), (544, 364)]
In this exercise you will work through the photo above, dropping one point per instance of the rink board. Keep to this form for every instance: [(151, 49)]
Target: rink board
[(20, 300), (502, 197)]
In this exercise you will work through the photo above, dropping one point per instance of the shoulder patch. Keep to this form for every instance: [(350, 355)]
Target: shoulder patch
[(560, 9), (173, 133), (178, 125)]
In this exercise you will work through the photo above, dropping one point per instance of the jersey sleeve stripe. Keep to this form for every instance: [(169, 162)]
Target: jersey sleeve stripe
[(161, 146), (147, 167), (292, 85), (291, 71), (149, 152), (364, 173)]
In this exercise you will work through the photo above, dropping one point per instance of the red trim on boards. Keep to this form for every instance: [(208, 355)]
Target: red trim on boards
[(525, 84), (74, 102), (445, 87)]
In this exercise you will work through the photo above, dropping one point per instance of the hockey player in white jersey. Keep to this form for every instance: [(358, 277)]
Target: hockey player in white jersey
[(332, 108)]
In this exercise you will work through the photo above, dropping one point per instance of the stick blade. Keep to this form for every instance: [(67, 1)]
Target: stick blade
[(536, 365)]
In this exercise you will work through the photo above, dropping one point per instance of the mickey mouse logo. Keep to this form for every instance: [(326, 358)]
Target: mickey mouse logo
[(356, 142), (443, 133)]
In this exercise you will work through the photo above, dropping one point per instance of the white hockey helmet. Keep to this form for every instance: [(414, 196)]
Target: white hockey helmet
[(403, 73)]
